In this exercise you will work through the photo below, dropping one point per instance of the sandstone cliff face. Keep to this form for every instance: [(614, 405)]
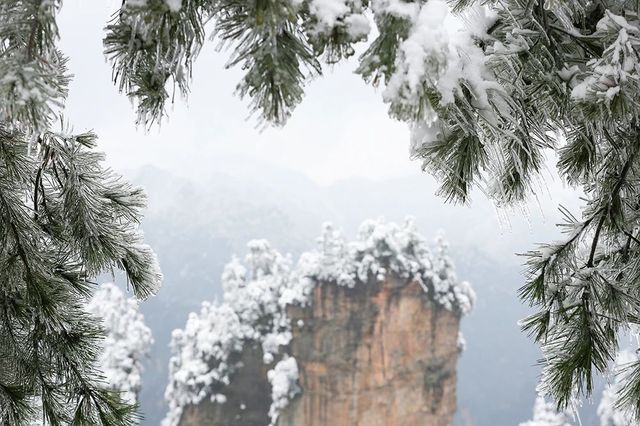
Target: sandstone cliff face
[(381, 353), (377, 354)]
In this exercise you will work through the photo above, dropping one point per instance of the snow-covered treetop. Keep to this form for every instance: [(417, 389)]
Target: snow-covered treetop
[(253, 309), (423, 49), (258, 291), (127, 341), (382, 248), (611, 414), (545, 414)]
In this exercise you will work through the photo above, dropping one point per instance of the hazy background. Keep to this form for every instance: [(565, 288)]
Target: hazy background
[(215, 181)]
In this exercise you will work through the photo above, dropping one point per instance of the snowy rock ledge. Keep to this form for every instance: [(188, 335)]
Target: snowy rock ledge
[(258, 291)]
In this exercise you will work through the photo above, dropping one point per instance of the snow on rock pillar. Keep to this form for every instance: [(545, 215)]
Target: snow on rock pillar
[(358, 333)]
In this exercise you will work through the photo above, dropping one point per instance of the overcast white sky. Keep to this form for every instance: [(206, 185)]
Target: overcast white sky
[(340, 130)]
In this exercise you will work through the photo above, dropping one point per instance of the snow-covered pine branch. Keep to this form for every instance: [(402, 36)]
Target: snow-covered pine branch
[(487, 89), (64, 219)]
